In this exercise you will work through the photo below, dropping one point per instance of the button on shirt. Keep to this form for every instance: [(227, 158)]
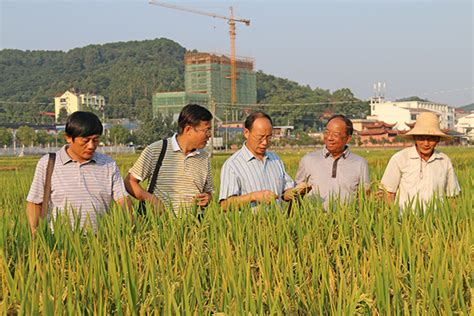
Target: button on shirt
[(243, 173), (337, 178), (415, 178), (87, 188)]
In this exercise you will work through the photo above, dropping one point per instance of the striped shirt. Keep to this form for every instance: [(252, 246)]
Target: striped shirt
[(181, 177), (87, 188), (416, 179), (334, 178), (243, 173)]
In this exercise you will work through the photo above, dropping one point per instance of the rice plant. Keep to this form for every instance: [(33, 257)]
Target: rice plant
[(362, 258)]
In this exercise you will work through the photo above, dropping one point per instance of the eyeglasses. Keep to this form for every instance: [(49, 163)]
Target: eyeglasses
[(327, 133), (261, 138), (207, 131)]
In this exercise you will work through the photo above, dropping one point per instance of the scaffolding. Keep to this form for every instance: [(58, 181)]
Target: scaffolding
[(210, 74), (207, 77)]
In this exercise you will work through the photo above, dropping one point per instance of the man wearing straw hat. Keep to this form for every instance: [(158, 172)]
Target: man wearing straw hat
[(420, 172)]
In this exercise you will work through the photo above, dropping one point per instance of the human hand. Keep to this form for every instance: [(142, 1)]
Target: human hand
[(299, 190), (202, 199), (303, 188), (380, 194), (264, 196)]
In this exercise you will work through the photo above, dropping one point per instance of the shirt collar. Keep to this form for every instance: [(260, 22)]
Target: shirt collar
[(345, 153), (413, 154), (65, 158), (247, 154), (175, 146)]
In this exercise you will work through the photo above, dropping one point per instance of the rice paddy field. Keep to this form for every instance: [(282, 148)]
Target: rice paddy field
[(361, 258)]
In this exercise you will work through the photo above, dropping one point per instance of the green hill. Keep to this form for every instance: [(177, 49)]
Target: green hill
[(468, 107), (123, 72), (127, 74)]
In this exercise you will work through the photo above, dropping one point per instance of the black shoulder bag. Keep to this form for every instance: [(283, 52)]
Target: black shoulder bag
[(151, 187)]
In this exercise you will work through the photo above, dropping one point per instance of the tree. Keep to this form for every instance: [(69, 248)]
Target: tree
[(26, 135), (399, 139), (413, 98), (119, 135), (61, 138), (155, 128), (6, 137), (343, 94), (373, 141), (62, 116), (44, 138), (143, 109)]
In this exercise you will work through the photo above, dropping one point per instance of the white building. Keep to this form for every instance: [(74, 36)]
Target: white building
[(465, 125), (407, 111), (72, 102)]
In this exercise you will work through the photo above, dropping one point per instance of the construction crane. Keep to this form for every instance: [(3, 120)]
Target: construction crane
[(231, 20)]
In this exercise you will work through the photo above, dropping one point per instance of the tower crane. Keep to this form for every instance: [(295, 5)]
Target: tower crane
[(231, 20)]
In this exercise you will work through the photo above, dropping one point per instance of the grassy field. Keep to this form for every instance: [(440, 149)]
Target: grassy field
[(362, 258)]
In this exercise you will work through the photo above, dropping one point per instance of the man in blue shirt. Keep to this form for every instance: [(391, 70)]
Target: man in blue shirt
[(254, 175)]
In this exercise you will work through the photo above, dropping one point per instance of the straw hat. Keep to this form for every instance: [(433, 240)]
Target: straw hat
[(427, 123)]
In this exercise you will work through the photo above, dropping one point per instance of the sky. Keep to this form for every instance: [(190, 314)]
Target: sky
[(421, 47)]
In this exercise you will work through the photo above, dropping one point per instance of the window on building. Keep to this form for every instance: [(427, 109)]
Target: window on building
[(413, 117)]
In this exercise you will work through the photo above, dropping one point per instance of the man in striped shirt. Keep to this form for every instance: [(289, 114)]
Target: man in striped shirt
[(83, 181), (254, 175), (184, 179)]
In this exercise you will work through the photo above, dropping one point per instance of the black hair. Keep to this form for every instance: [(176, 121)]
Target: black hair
[(192, 114), (83, 124), (349, 127), (255, 115)]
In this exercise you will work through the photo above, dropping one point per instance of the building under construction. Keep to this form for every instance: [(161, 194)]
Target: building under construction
[(207, 78)]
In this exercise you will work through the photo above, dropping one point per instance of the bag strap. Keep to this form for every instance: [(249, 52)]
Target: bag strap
[(152, 185), (47, 184)]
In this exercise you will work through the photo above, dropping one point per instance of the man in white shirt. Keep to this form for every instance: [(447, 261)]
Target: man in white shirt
[(420, 172)]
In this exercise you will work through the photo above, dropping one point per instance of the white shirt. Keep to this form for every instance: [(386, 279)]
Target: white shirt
[(415, 178)]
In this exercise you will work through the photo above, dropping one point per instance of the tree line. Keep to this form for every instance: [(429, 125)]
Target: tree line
[(128, 73)]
